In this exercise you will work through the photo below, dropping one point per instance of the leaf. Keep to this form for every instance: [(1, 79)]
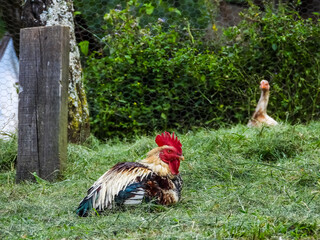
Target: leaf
[(176, 220), (164, 116), (274, 46), (39, 180), (84, 47), (76, 13), (174, 10), (149, 8)]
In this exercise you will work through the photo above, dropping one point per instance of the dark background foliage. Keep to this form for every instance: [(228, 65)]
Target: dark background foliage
[(158, 76)]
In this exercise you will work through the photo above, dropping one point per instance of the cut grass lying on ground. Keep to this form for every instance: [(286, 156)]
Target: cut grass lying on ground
[(238, 183)]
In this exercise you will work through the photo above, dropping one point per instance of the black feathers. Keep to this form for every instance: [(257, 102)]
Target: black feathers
[(133, 194), (86, 204)]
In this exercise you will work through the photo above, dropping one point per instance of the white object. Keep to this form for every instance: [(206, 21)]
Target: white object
[(9, 77)]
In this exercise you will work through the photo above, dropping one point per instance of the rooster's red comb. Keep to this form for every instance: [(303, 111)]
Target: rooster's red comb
[(166, 139)]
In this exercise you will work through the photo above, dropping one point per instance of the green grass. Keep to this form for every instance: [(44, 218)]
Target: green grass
[(8, 153), (239, 183)]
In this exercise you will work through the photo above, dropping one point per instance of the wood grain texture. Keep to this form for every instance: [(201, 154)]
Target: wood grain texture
[(42, 133)]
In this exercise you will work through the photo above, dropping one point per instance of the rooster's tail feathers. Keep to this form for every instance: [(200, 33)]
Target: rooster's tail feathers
[(87, 203)]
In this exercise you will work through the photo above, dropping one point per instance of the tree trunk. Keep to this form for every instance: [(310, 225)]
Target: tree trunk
[(60, 12), (10, 11)]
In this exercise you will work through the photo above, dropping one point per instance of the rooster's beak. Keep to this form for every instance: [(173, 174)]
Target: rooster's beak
[(181, 158)]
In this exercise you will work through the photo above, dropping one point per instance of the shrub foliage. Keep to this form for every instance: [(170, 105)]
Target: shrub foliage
[(155, 77)]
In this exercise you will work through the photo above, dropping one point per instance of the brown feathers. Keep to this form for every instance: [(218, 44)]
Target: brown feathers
[(154, 162), (163, 189)]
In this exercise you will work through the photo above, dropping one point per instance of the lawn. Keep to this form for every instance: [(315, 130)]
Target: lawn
[(239, 183)]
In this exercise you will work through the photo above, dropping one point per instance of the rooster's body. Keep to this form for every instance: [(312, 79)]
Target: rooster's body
[(154, 178)]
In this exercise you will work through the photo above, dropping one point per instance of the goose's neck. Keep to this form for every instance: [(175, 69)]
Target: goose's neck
[(263, 101)]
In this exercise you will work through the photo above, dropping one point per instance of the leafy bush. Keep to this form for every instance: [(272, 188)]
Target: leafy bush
[(150, 78), (283, 48), (92, 11)]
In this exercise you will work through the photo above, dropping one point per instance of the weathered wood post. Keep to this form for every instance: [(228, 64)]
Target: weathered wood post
[(43, 79)]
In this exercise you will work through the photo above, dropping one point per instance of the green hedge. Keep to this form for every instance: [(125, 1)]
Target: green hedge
[(150, 79)]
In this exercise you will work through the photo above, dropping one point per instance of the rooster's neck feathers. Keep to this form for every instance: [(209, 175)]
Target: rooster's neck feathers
[(154, 162)]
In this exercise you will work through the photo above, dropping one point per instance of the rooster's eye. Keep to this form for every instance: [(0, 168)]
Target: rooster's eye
[(169, 151)]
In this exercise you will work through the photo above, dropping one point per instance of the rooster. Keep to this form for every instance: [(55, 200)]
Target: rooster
[(128, 183), (260, 116)]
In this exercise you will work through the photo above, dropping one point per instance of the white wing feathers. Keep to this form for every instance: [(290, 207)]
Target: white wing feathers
[(112, 182)]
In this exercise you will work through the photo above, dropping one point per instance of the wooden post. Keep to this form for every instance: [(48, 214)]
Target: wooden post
[(43, 80)]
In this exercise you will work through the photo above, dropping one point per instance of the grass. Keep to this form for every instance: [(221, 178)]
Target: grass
[(8, 153), (239, 183)]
